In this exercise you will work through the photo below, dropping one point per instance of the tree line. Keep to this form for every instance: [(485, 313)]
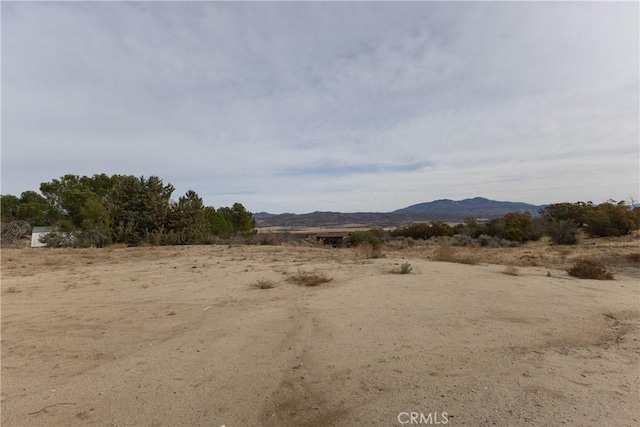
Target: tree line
[(560, 221), (103, 209)]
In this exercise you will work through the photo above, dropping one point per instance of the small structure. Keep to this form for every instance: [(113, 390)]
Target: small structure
[(335, 239), (39, 232)]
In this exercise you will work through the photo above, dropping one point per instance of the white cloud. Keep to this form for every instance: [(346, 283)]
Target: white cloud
[(532, 102)]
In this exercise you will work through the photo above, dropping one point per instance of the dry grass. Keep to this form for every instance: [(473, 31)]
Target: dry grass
[(633, 257), (264, 283), (562, 251), (405, 268), (511, 270), (451, 254), (309, 279), (368, 251), (590, 269)]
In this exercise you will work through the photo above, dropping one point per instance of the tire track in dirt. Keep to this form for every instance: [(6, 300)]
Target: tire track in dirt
[(301, 398)]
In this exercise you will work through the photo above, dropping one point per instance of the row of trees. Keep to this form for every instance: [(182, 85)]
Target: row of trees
[(106, 209), (559, 221)]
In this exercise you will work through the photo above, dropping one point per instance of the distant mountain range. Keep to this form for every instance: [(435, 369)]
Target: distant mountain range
[(443, 210)]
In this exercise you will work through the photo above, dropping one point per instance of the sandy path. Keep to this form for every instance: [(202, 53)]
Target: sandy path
[(177, 336)]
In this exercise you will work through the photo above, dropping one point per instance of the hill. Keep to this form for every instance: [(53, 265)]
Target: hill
[(443, 210), (477, 207)]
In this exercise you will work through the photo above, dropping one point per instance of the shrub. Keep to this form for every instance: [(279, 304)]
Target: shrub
[(634, 257), (265, 283), (513, 226), (563, 232), (93, 238), (470, 227), (59, 240), (309, 279), (405, 268), (611, 219), (462, 240), (14, 230), (511, 270), (450, 254), (589, 269), (424, 231), (368, 251), (358, 238), (486, 241)]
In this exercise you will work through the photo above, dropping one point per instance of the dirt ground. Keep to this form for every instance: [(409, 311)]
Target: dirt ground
[(181, 336)]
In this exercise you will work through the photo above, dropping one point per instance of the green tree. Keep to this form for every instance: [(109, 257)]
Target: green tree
[(33, 208), (9, 205), (138, 207), (241, 220), (76, 196), (576, 212), (470, 227), (611, 219), (424, 231), (187, 219), (563, 231), (512, 226), (217, 223)]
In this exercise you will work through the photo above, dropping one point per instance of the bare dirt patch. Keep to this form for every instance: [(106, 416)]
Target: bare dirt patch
[(175, 336)]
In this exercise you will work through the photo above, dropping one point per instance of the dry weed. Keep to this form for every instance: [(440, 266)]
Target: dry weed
[(403, 269), (511, 270), (368, 251), (264, 283), (633, 257), (309, 279), (450, 254), (590, 269)]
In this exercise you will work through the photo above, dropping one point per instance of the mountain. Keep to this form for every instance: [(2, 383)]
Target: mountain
[(443, 210), (478, 207)]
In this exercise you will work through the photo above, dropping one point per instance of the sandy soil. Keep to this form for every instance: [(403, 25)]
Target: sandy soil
[(179, 336)]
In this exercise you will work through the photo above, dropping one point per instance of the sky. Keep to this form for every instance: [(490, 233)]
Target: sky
[(326, 106)]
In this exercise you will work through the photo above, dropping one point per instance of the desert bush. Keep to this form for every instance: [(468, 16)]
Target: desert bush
[(59, 240), (563, 232), (309, 279), (611, 219), (266, 239), (496, 242), (358, 238), (511, 270), (590, 269), (450, 254), (12, 231), (470, 227), (94, 238), (368, 251), (634, 257), (537, 229), (462, 240), (264, 283), (405, 268), (424, 231), (513, 226), (485, 241), (445, 253)]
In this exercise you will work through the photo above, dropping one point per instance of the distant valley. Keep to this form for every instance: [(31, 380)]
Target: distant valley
[(443, 210)]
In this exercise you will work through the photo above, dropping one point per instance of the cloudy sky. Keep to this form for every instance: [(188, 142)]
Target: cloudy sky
[(297, 107)]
